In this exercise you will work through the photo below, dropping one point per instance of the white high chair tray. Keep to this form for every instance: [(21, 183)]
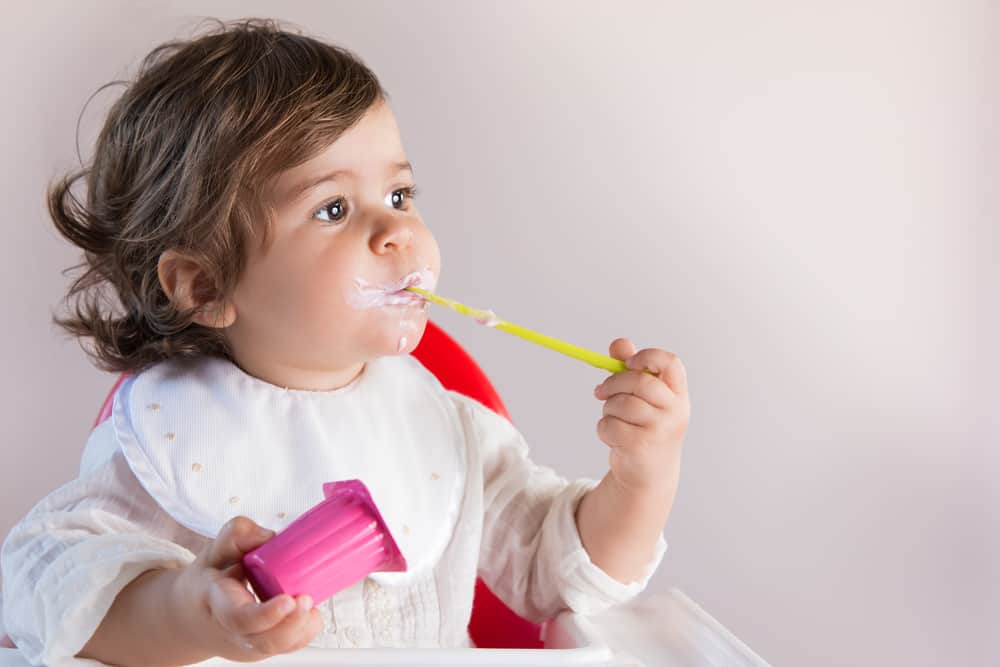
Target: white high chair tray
[(664, 630)]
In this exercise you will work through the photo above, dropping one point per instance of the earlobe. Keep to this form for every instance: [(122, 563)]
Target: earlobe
[(215, 314), (190, 289)]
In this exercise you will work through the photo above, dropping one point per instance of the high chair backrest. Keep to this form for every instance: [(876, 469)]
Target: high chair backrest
[(493, 625)]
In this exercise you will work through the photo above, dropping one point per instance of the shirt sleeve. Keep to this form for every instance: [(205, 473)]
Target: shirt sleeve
[(531, 554), (65, 562)]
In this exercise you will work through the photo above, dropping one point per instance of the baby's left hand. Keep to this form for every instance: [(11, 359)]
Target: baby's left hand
[(645, 417)]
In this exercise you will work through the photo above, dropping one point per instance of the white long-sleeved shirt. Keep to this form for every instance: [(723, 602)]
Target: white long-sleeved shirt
[(140, 503)]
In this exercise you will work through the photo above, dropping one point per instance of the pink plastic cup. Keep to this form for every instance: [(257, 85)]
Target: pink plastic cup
[(338, 542)]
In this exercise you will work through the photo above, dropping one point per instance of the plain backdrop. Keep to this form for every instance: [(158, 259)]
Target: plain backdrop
[(794, 196)]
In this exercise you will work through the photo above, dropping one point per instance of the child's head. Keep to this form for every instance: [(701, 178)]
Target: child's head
[(249, 197)]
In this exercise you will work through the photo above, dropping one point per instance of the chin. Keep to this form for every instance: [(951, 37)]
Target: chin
[(413, 337), (409, 335)]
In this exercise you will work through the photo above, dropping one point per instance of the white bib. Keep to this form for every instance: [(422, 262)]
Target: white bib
[(209, 442)]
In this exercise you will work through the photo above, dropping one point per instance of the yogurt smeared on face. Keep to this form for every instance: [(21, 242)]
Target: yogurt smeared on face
[(367, 295)]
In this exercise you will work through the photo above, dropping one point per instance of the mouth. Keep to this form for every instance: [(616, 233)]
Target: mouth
[(368, 295)]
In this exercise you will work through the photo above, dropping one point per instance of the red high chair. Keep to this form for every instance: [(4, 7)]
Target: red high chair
[(493, 624)]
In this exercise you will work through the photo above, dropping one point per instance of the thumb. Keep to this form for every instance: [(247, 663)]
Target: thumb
[(622, 349), (238, 536)]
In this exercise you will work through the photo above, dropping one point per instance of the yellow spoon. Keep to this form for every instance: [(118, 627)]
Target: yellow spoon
[(488, 318)]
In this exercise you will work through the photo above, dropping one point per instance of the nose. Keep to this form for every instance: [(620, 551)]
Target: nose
[(392, 234)]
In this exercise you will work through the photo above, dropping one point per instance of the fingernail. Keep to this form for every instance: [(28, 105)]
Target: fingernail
[(265, 533), (287, 606), (305, 603)]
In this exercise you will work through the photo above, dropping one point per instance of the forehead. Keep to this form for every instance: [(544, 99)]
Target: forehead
[(366, 150)]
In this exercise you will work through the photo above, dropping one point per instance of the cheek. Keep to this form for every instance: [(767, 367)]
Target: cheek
[(430, 254), (326, 289), (300, 291), (264, 289)]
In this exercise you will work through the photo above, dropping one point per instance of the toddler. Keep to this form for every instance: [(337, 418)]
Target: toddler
[(248, 231)]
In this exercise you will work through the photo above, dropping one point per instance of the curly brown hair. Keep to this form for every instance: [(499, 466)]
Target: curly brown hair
[(181, 163)]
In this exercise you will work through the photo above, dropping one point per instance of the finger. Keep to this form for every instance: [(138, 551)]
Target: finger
[(616, 433), (666, 365), (252, 617), (236, 571), (313, 626), (289, 634), (237, 610), (238, 536), (630, 409), (643, 385), (621, 348)]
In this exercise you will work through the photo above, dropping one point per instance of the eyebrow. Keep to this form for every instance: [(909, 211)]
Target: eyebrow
[(299, 190)]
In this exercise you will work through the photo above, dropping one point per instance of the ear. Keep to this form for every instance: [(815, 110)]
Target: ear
[(189, 287)]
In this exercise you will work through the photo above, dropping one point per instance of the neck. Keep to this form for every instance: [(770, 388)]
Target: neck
[(306, 379)]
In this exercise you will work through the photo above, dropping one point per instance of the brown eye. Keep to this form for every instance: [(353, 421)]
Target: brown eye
[(334, 211), (397, 199)]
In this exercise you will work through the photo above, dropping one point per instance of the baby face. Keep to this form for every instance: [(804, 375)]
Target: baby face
[(325, 294)]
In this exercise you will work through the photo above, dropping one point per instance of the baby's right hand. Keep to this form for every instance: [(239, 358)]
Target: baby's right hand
[(225, 617)]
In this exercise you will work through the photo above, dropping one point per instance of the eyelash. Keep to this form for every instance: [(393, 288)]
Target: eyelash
[(409, 192)]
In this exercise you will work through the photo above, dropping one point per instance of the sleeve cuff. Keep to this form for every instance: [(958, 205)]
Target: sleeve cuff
[(586, 588), (78, 589)]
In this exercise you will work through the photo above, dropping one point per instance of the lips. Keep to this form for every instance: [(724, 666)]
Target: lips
[(369, 295)]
